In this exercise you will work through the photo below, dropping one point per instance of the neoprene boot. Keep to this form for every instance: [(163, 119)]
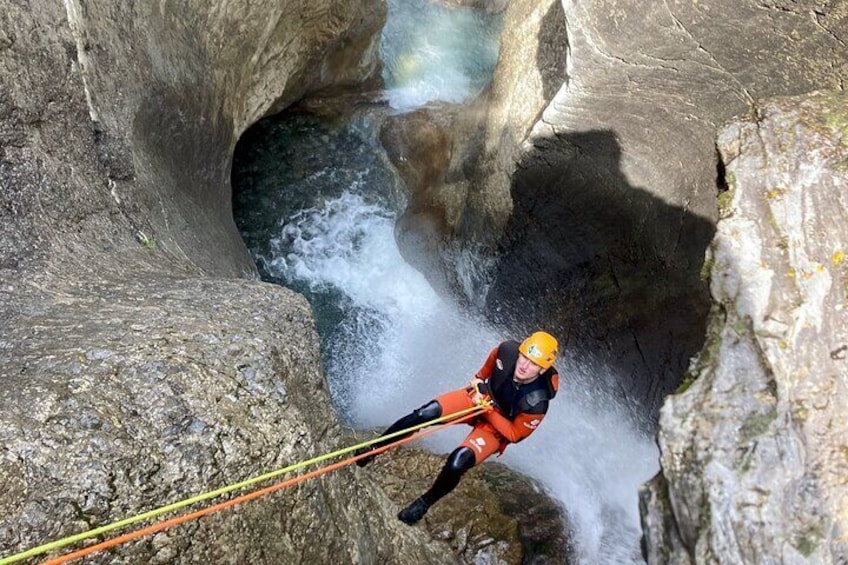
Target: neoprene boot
[(365, 460), (413, 513), (422, 415), (459, 461)]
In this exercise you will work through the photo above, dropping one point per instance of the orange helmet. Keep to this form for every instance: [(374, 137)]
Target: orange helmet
[(540, 348)]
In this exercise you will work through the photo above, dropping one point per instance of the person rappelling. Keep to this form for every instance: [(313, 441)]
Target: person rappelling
[(504, 403), (518, 380)]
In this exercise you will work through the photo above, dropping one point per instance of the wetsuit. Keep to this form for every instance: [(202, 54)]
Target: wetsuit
[(518, 411)]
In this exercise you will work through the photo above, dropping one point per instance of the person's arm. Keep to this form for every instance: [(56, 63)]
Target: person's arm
[(481, 377), (514, 430), (486, 370)]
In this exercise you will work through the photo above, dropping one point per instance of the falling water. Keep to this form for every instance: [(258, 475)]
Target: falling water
[(317, 206), (433, 52)]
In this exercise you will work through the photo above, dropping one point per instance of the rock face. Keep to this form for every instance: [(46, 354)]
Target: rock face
[(493, 516), (121, 120), (162, 389), (594, 168), (754, 452), (135, 368)]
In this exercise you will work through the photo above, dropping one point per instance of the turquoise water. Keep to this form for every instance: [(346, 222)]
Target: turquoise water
[(432, 52)]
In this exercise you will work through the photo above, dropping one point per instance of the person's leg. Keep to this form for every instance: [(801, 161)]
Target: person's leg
[(482, 442), (448, 403)]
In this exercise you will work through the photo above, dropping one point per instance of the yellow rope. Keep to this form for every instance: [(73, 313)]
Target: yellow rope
[(227, 489)]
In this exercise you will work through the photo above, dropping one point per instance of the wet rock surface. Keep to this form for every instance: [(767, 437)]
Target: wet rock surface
[(754, 452), (494, 516)]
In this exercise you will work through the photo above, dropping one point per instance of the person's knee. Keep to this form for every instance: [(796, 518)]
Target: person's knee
[(461, 460), (429, 411)]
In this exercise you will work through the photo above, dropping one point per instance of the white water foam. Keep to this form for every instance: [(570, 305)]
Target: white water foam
[(402, 344)]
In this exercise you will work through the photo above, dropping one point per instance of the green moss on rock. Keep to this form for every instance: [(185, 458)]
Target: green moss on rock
[(756, 424), (725, 200), (807, 541)]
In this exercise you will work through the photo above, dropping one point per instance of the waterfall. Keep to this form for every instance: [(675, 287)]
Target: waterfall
[(433, 52), (397, 344), (317, 207)]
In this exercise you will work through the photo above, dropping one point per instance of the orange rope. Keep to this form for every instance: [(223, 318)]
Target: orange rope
[(177, 520)]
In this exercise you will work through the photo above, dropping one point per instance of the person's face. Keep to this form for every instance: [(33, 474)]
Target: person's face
[(526, 370)]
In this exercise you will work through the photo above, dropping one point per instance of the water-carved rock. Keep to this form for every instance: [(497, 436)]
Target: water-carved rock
[(593, 177)]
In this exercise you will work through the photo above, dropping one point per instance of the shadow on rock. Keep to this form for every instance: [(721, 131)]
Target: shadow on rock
[(552, 52), (612, 269)]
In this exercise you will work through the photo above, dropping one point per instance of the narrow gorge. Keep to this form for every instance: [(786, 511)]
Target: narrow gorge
[(238, 235)]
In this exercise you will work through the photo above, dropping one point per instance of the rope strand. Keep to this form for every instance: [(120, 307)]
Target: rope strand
[(449, 419), (158, 527)]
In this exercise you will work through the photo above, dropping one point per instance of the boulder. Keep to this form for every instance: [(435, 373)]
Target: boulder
[(495, 515), (158, 390)]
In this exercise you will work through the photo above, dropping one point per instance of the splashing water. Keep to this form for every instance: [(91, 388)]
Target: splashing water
[(433, 52), (318, 209), (382, 352), (400, 344)]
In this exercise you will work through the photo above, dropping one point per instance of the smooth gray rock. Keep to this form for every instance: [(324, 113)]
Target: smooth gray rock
[(660, 541), (754, 452), (119, 122)]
